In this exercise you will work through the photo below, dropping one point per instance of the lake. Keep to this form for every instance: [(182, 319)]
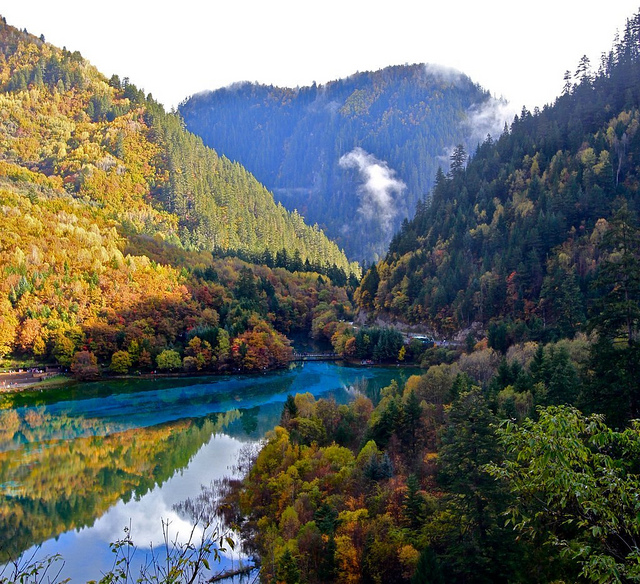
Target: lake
[(80, 464)]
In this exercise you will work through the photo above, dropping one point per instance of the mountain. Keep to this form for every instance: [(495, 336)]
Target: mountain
[(110, 213), (107, 142), (354, 155), (521, 233)]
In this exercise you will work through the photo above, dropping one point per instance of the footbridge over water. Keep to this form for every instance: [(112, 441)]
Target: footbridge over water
[(315, 357)]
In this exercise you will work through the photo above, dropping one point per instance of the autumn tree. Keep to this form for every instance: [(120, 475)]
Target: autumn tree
[(84, 366)]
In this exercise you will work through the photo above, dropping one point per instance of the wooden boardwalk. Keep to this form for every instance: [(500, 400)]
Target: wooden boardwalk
[(315, 357)]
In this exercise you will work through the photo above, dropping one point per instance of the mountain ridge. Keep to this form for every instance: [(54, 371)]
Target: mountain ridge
[(401, 118)]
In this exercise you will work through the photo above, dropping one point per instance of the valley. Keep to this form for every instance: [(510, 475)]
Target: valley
[(416, 358)]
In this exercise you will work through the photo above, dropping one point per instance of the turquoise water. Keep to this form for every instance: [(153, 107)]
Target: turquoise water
[(79, 465)]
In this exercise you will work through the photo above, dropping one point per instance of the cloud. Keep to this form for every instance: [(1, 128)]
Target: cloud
[(445, 74), (488, 118), (379, 188)]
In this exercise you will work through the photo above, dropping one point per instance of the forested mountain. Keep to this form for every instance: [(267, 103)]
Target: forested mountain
[(110, 213), (483, 470), (525, 231), (354, 155)]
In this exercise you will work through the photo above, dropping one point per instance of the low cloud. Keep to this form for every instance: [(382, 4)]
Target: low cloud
[(446, 74), (379, 187), (488, 118)]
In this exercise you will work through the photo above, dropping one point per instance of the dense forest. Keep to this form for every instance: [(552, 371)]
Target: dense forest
[(317, 147), (119, 229), (529, 230), (483, 469)]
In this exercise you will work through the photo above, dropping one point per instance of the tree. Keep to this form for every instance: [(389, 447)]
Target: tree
[(575, 484), (413, 506), (120, 362), (568, 85), (411, 418), (615, 356), (477, 546), (458, 159), (169, 360), (84, 365), (617, 311)]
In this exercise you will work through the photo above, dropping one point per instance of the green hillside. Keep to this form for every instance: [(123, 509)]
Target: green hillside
[(111, 212), (521, 232)]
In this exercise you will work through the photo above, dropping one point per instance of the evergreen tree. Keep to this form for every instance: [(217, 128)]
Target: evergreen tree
[(479, 549), (615, 357)]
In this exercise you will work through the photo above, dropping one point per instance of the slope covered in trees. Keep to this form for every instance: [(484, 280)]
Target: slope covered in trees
[(468, 473), (110, 214), (110, 144), (483, 469), (318, 148), (533, 230)]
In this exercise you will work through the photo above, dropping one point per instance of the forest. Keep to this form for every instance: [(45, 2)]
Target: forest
[(127, 245), (312, 145), (123, 238), (514, 457)]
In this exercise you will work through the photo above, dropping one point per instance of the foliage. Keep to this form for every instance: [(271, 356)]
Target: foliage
[(110, 213), (576, 483), (169, 360), (515, 239), (85, 365)]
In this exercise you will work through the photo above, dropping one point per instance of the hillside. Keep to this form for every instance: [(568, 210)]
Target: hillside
[(354, 155), (521, 233), (482, 469), (110, 214)]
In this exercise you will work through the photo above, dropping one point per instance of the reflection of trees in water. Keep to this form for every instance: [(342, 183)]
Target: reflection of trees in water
[(49, 487), (216, 505)]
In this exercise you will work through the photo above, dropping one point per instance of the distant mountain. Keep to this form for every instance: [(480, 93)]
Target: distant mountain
[(354, 155), (530, 231)]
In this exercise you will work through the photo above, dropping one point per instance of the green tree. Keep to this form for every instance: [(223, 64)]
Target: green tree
[(411, 422), (413, 506), (615, 357), (616, 313), (575, 484), (169, 360), (288, 571), (458, 159), (120, 362), (477, 548)]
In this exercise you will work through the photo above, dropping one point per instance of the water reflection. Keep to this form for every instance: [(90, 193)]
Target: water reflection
[(78, 465)]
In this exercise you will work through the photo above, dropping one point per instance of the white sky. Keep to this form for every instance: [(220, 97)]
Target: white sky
[(519, 50)]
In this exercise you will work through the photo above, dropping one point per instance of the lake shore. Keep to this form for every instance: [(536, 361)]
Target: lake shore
[(21, 381)]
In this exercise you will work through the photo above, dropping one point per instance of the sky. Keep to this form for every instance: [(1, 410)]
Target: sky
[(516, 50)]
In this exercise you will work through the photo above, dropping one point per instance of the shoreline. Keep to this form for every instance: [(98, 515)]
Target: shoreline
[(25, 384)]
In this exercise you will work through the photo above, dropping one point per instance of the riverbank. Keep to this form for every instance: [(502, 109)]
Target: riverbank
[(23, 379)]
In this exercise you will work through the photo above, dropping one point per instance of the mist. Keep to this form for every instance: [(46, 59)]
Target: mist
[(379, 187), (488, 118)]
